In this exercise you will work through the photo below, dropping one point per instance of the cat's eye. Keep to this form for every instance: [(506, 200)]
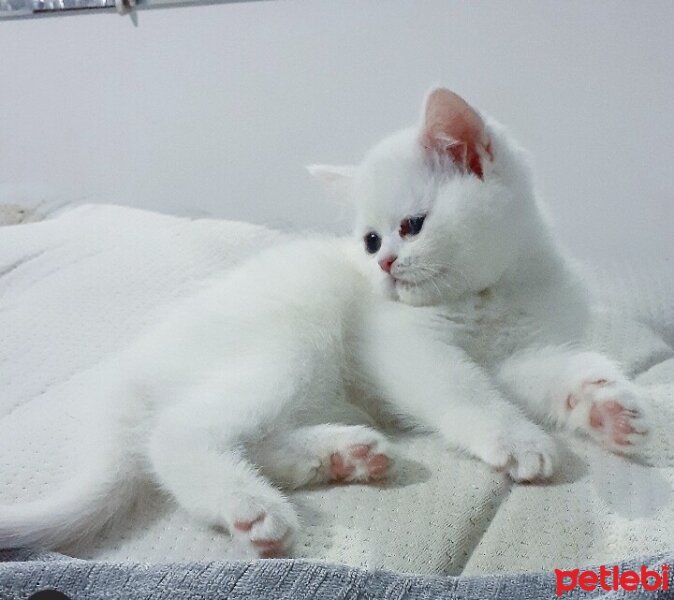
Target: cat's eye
[(411, 225), (372, 242)]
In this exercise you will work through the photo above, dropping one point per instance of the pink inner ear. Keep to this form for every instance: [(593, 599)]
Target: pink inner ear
[(452, 127)]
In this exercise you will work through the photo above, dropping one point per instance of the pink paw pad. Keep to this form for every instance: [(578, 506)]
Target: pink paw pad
[(269, 548), (248, 525), (358, 463), (266, 548), (610, 418), (615, 420), (610, 412)]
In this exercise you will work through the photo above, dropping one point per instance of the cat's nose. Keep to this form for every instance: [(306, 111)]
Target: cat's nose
[(387, 263)]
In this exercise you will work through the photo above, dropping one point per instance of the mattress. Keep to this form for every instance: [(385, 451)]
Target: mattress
[(77, 287)]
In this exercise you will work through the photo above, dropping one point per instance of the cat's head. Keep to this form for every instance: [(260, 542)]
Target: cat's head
[(443, 207)]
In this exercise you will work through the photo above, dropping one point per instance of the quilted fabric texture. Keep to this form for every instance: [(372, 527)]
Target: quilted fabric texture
[(76, 288)]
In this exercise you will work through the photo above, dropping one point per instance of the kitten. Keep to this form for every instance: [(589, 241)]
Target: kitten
[(457, 298), (450, 215)]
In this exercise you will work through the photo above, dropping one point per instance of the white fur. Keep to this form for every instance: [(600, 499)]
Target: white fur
[(262, 380), (487, 261)]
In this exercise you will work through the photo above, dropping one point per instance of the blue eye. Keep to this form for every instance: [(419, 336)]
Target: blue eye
[(372, 242), (411, 225)]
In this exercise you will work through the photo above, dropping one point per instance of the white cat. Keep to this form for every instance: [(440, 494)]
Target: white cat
[(256, 379)]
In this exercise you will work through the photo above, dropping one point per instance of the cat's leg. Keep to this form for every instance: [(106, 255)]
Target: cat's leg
[(323, 454), (196, 450), (440, 387), (582, 391)]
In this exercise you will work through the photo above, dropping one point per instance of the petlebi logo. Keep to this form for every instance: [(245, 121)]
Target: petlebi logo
[(613, 579)]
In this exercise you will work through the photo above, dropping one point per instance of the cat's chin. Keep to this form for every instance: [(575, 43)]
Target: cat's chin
[(423, 293)]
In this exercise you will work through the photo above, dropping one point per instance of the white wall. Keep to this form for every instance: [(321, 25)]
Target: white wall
[(216, 109)]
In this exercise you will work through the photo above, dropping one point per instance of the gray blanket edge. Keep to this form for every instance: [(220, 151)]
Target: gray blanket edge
[(24, 572)]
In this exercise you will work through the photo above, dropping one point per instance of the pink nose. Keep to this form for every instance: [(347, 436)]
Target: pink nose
[(387, 263)]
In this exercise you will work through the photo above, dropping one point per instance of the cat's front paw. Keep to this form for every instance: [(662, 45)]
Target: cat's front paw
[(526, 455), (266, 526), (611, 412)]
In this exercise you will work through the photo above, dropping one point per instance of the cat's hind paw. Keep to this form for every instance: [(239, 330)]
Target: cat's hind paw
[(352, 453), (267, 527), (610, 412), (327, 453), (360, 462)]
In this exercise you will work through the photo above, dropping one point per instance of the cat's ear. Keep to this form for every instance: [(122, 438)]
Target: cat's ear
[(452, 128), (338, 180)]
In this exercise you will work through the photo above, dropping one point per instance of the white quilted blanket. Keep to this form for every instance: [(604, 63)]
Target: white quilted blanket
[(78, 287)]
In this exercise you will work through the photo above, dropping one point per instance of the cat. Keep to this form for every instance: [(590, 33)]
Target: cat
[(454, 310), (450, 215)]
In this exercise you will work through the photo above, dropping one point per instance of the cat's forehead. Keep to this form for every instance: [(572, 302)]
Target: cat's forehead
[(393, 180)]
